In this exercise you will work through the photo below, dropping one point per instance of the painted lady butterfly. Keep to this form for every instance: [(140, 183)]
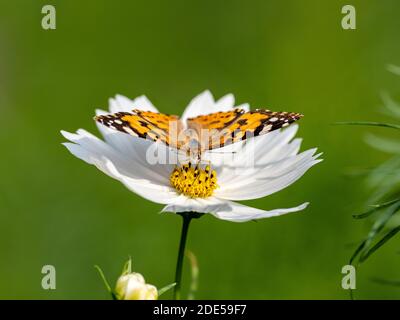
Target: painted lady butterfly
[(210, 131)]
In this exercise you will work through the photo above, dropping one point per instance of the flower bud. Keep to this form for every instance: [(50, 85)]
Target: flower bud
[(132, 286)]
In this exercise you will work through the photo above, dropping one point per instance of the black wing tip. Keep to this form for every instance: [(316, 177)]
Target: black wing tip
[(294, 114)]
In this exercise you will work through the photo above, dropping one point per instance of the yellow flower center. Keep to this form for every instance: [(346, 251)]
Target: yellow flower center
[(194, 182)]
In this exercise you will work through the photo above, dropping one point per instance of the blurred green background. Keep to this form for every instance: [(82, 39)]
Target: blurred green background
[(287, 55)]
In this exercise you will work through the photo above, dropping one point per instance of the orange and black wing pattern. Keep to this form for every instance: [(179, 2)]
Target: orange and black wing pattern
[(144, 124), (236, 125)]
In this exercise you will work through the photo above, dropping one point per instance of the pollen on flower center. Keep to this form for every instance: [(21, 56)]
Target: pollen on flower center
[(194, 182)]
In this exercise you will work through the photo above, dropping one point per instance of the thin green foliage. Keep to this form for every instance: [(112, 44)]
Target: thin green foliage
[(378, 226), (383, 144), (106, 284), (375, 208), (387, 282), (127, 266), (166, 288), (380, 243), (384, 180), (393, 69), (391, 107), (370, 123)]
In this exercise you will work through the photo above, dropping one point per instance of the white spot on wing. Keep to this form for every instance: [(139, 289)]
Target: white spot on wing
[(266, 129), (130, 131)]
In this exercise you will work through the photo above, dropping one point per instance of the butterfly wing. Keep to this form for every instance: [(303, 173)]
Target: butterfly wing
[(240, 125), (145, 124), (221, 128), (217, 120)]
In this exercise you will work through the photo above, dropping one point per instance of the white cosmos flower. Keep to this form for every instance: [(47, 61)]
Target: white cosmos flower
[(275, 163)]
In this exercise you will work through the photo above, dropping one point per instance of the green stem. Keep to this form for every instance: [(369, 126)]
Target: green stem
[(187, 217)]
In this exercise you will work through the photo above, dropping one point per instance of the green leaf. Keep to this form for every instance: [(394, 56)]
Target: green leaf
[(375, 207), (380, 243), (166, 288), (381, 222), (388, 282), (383, 144), (370, 123), (357, 251), (385, 179), (376, 228), (393, 69), (127, 267), (106, 284), (392, 108)]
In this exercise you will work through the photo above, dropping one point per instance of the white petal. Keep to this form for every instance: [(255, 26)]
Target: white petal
[(114, 107), (260, 166), (247, 158), (100, 112), (207, 205), (242, 213), (88, 157), (225, 103), (141, 151), (131, 161), (264, 149), (260, 150), (143, 103), (200, 105), (244, 106), (269, 179), (146, 189), (275, 148), (123, 104)]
